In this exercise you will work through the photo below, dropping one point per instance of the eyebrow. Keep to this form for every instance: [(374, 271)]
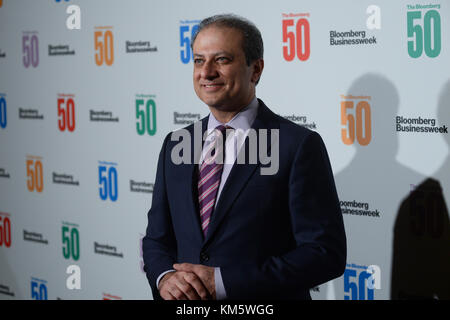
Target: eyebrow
[(215, 54)]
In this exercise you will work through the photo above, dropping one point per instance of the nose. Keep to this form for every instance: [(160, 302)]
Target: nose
[(209, 70)]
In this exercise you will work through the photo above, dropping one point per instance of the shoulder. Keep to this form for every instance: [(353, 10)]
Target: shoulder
[(290, 132), (188, 132)]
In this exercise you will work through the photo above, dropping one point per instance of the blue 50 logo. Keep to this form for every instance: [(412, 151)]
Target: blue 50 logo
[(107, 179), (38, 289), (360, 284), (187, 32), (3, 121)]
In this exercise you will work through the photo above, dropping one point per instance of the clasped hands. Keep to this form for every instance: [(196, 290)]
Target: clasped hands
[(188, 282)]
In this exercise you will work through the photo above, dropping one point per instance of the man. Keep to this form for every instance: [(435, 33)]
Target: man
[(264, 236)]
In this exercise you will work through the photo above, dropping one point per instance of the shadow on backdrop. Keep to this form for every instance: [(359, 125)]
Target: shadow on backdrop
[(421, 251), (372, 185)]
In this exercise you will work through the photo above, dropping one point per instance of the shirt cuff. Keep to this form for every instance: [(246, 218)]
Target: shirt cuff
[(220, 288), (162, 275)]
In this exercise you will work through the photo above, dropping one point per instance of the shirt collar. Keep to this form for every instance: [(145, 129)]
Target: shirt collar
[(242, 120)]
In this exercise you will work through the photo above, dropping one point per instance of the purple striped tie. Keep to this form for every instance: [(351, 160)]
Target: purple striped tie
[(209, 178)]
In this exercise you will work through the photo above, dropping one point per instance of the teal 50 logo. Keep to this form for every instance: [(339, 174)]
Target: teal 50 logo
[(424, 33)]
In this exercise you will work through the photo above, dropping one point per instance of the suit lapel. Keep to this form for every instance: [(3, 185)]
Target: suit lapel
[(240, 173)]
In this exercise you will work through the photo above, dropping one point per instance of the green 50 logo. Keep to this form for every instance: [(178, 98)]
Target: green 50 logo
[(424, 33), (70, 241), (145, 114)]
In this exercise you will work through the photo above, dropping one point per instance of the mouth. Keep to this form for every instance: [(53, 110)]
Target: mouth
[(212, 86)]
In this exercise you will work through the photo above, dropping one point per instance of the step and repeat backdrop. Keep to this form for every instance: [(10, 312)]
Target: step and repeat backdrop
[(89, 89)]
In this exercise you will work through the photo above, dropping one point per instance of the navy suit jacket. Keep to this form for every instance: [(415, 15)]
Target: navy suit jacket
[(273, 236)]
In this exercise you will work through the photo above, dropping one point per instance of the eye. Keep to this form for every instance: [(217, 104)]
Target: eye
[(223, 59), (198, 61)]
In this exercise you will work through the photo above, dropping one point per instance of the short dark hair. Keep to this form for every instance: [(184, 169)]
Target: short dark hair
[(252, 43)]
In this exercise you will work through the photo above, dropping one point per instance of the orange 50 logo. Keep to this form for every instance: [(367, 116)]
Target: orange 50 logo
[(35, 180), (356, 121), (104, 46)]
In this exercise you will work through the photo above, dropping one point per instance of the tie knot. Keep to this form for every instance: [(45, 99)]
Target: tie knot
[(222, 128)]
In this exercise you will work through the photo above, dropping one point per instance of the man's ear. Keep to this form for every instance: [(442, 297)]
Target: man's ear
[(257, 66)]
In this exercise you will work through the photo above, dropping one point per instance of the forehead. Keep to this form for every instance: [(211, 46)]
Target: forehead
[(219, 38)]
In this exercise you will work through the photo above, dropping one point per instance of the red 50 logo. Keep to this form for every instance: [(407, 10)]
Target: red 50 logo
[(5, 230), (296, 37), (66, 112)]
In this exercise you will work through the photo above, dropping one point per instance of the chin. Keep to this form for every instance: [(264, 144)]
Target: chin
[(213, 103)]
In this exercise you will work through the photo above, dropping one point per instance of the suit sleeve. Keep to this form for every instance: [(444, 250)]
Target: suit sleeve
[(317, 226), (159, 245)]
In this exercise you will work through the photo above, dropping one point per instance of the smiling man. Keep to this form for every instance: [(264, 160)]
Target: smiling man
[(223, 230)]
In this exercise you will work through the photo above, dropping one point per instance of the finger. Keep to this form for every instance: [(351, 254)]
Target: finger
[(177, 293), (189, 291), (170, 289), (198, 286), (166, 295)]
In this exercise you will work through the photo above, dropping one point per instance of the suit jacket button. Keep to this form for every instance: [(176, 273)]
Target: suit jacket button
[(204, 257)]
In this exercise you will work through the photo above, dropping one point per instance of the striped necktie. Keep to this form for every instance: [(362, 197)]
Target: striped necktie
[(209, 177)]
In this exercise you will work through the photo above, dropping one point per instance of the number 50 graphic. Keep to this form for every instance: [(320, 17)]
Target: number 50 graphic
[(71, 244), (35, 179), (356, 290), (5, 231), (362, 126), (146, 117), (107, 179), (30, 48), (298, 41), (185, 42), (66, 116), (104, 46), (424, 37), (3, 120), (38, 289)]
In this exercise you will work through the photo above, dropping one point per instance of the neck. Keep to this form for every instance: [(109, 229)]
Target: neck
[(225, 116)]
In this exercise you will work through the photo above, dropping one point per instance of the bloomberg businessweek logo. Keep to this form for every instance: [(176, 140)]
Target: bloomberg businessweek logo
[(351, 37)]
